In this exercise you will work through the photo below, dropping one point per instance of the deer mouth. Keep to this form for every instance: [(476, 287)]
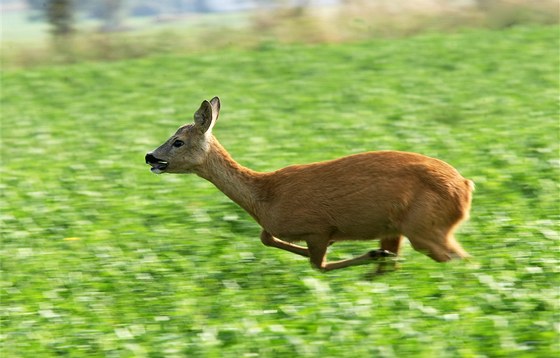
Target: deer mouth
[(158, 166)]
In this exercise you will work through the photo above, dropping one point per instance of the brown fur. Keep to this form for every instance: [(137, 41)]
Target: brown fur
[(375, 195)]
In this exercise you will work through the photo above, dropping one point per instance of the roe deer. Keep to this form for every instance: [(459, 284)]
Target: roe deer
[(381, 195)]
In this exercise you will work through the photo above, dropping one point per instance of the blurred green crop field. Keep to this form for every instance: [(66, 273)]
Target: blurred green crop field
[(101, 258)]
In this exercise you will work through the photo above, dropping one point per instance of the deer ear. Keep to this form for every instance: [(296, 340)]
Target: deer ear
[(204, 117), (215, 102)]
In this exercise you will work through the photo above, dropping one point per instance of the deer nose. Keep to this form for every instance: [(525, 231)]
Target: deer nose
[(151, 159)]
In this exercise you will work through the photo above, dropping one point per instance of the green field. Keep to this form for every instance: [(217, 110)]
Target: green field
[(101, 258)]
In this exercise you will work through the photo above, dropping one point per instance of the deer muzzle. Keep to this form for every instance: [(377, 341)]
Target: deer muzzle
[(158, 166)]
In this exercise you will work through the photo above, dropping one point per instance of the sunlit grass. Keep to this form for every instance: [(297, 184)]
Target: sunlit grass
[(102, 258), (27, 44)]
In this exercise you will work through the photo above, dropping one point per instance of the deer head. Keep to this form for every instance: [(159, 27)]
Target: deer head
[(188, 147)]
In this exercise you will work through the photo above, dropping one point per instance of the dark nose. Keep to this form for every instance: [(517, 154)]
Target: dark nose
[(151, 159)]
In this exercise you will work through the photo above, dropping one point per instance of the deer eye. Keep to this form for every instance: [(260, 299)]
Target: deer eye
[(178, 143)]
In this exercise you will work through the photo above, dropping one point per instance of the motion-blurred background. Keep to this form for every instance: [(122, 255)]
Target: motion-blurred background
[(32, 30), (101, 258)]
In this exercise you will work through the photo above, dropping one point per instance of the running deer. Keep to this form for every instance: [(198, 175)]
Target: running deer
[(385, 195)]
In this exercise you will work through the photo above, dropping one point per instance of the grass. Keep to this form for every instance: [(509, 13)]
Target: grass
[(100, 258), (27, 44)]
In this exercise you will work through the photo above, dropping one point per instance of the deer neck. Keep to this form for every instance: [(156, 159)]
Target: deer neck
[(239, 183)]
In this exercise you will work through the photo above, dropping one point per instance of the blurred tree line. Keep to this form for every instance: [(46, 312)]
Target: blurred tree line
[(62, 14)]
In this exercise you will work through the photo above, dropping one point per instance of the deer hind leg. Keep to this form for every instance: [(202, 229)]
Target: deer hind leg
[(392, 245), (440, 246), (318, 256), (432, 233)]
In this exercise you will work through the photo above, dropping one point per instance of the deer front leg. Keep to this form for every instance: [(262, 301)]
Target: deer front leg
[(269, 240), (318, 257)]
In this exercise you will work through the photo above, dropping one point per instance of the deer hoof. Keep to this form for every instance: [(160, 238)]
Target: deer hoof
[(377, 254)]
